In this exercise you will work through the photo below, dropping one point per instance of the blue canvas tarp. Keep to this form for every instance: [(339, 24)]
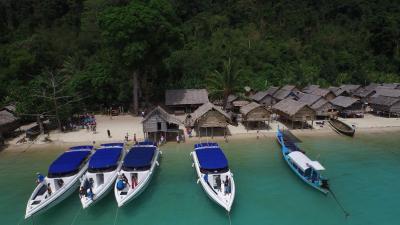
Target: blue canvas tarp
[(112, 145), (67, 163), (211, 158), (105, 158), (139, 157), (81, 147), (207, 144), (147, 143)]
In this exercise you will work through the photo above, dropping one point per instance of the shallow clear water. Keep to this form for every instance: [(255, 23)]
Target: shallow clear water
[(363, 172)]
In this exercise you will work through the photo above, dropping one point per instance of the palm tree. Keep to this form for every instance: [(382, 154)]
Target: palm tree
[(224, 83)]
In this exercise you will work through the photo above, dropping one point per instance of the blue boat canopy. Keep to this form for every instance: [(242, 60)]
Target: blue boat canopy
[(147, 143), (139, 158), (105, 158), (211, 158), (206, 144), (112, 145), (81, 147), (67, 163)]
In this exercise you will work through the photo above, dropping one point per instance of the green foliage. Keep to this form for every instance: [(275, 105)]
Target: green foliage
[(97, 44)]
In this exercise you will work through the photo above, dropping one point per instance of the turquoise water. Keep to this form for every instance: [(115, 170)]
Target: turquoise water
[(363, 172)]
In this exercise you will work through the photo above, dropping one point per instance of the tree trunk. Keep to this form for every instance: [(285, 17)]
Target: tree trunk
[(225, 100), (135, 93), (40, 123)]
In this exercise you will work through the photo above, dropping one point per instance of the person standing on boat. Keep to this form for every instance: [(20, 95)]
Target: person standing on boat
[(218, 182), (49, 189), (227, 185), (40, 178)]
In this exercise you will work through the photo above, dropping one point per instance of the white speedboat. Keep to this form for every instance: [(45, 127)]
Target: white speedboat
[(104, 166), (137, 170), (214, 174), (61, 181)]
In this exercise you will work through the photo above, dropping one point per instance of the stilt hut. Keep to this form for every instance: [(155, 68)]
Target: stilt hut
[(384, 105), (266, 97), (210, 119), (255, 114), (159, 122), (348, 106), (185, 100), (295, 112)]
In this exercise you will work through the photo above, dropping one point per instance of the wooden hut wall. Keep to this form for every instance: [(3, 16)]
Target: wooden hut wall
[(151, 125), (395, 108), (326, 109), (306, 113), (258, 114), (212, 119)]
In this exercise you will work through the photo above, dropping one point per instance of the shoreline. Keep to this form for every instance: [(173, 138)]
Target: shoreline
[(324, 132)]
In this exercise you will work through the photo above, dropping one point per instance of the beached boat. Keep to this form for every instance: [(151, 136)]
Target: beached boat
[(309, 171), (137, 170), (214, 174), (342, 127), (104, 166), (61, 181)]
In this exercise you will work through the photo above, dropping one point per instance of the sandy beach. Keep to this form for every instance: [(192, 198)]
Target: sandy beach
[(119, 126)]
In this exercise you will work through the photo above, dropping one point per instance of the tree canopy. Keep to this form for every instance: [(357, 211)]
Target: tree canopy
[(101, 45)]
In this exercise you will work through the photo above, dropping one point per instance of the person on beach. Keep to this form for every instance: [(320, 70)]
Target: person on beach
[(134, 138), (162, 140), (40, 178), (109, 133)]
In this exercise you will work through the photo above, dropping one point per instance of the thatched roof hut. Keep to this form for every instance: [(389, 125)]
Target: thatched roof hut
[(266, 97), (388, 92), (308, 89), (324, 108), (209, 115), (326, 93), (347, 106), (294, 111), (255, 112), (283, 94), (309, 99), (8, 122), (346, 89), (158, 115), (386, 105), (185, 99), (289, 87)]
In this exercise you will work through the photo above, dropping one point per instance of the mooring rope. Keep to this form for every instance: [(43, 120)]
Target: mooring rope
[(76, 215), (116, 216), (229, 218), (346, 214)]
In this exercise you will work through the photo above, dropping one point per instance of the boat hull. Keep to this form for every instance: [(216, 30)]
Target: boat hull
[(284, 152), (349, 131), (210, 193), (57, 197), (141, 186), (106, 189)]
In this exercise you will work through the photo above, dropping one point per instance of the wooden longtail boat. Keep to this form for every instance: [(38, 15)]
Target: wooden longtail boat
[(342, 127)]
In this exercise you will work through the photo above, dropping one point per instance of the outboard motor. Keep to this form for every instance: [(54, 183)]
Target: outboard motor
[(325, 184)]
